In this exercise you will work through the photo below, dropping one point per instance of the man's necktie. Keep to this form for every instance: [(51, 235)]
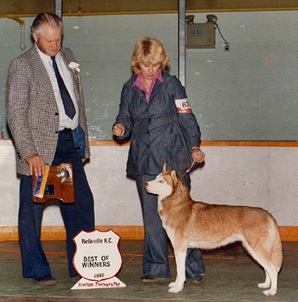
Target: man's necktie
[(67, 101)]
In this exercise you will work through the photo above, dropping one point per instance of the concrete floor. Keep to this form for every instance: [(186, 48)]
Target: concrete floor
[(231, 276)]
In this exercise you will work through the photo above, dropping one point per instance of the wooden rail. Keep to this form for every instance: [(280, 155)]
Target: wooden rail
[(21, 8)]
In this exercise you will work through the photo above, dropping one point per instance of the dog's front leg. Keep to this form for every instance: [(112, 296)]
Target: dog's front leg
[(180, 258)]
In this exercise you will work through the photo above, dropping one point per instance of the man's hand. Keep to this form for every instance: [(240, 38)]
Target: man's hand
[(36, 164)]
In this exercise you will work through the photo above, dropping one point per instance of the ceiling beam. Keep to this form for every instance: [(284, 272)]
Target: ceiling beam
[(26, 8)]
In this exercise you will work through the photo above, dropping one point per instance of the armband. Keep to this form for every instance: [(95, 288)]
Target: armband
[(183, 106)]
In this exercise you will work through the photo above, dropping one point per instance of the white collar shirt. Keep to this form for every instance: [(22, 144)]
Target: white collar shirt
[(64, 120)]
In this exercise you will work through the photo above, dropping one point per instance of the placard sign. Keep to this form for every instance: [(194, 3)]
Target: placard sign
[(97, 260)]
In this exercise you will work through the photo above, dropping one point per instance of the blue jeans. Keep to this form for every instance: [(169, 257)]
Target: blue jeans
[(155, 258), (76, 217)]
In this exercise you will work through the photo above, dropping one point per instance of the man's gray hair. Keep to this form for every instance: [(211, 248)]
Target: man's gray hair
[(46, 19)]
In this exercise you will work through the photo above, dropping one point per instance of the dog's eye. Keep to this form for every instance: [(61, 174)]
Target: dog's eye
[(161, 181)]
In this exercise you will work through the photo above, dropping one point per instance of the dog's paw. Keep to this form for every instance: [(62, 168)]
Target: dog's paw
[(174, 288), (172, 284), (264, 285), (269, 292)]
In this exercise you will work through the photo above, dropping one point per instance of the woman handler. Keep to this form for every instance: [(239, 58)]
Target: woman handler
[(157, 118)]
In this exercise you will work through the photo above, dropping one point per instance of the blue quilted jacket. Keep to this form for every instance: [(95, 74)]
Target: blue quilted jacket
[(158, 132)]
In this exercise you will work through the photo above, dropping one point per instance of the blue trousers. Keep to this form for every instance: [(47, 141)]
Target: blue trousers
[(155, 258), (76, 217)]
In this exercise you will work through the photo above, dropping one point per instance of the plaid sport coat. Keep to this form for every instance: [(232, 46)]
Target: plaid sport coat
[(32, 111)]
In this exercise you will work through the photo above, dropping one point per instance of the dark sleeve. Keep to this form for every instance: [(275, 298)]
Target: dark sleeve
[(123, 116), (187, 120)]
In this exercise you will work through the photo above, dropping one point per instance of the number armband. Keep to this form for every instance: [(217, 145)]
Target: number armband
[(183, 106)]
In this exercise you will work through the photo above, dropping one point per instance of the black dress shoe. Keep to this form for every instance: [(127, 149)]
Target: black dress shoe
[(199, 279), (152, 279), (47, 281)]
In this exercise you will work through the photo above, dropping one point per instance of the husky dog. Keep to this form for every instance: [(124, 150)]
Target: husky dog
[(195, 224)]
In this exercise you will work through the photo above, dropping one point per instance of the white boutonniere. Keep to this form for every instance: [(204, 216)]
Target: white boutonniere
[(74, 66)]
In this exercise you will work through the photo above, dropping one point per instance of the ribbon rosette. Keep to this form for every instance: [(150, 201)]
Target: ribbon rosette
[(74, 66)]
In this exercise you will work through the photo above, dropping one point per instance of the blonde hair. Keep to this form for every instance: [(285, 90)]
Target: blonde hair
[(148, 50)]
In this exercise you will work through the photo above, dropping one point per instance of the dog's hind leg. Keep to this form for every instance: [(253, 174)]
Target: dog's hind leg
[(271, 273), (272, 267), (180, 258), (267, 282), (262, 256)]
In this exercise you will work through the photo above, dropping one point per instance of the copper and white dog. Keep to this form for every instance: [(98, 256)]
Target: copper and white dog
[(194, 224)]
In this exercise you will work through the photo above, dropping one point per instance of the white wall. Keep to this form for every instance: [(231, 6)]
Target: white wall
[(256, 176)]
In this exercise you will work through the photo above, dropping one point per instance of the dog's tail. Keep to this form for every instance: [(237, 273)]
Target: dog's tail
[(276, 255)]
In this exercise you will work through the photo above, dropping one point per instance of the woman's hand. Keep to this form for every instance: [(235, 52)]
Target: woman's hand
[(118, 130), (197, 155)]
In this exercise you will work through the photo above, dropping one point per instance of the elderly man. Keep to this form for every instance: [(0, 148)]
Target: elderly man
[(46, 117)]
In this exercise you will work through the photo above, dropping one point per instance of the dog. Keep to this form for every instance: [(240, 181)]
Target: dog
[(195, 224)]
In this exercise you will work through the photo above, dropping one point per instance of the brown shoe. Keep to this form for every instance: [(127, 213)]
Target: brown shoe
[(48, 281), (199, 279), (152, 279)]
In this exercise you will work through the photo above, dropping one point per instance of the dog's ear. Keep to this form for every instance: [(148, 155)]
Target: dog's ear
[(174, 176), (165, 167)]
